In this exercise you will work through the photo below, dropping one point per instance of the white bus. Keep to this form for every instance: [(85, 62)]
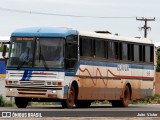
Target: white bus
[(77, 68)]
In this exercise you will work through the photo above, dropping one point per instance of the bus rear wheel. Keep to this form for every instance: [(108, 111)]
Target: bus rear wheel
[(124, 101), (126, 97), (69, 102), (21, 102)]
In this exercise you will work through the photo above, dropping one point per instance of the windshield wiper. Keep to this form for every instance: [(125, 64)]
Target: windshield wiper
[(25, 59), (21, 63)]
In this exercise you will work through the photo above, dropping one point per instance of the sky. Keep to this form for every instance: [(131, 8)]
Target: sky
[(120, 15)]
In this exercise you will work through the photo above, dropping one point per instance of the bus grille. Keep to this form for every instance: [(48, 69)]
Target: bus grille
[(32, 92), (31, 83)]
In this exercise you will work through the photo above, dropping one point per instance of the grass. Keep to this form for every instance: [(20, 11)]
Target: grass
[(153, 100), (4, 103), (42, 103)]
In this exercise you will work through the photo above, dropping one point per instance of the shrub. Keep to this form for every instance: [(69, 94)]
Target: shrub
[(4, 103)]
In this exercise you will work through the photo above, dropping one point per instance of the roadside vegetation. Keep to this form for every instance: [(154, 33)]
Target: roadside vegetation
[(4, 103), (1, 49), (153, 100), (158, 61)]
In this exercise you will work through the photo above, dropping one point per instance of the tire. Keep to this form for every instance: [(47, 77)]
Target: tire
[(124, 101), (126, 97), (83, 103), (21, 102), (70, 101)]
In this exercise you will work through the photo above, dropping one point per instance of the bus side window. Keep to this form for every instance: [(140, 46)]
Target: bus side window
[(100, 49), (124, 51), (71, 54), (120, 51), (110, 50), (116, 50), (86, 47), (132, 52), (136, 53), (148, 54), (151, 53)]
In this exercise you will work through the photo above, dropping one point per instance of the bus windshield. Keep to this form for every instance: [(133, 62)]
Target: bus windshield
[(36, 52)]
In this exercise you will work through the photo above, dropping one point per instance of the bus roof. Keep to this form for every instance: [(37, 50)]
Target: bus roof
[(44, 32), (64, 32), (115, 37)]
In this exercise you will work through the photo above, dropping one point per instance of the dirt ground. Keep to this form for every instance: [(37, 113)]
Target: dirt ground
[(157, 83)]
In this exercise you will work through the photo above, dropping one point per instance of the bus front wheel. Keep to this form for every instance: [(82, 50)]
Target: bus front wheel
[(21, 102), (69, 102)]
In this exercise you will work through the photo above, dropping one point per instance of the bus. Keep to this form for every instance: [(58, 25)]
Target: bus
[(77, 67)]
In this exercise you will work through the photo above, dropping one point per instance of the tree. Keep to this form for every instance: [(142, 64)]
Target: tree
[(158, 61), (0, 48)]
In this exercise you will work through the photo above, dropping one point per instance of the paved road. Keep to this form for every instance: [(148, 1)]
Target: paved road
[(95, 111)]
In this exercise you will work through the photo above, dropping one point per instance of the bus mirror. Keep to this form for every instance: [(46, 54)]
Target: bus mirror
[(4, 51)]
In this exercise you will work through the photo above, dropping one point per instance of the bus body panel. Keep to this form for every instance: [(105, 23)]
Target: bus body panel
[(108, 82)]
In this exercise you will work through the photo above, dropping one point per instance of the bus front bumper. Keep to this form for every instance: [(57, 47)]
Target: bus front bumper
[(29, 92)]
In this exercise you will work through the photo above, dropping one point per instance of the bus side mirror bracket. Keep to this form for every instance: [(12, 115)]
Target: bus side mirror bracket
[(4, 51)]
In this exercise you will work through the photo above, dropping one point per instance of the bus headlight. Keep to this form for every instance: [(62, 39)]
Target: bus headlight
[(49, 83), (54, 91), (15, 82), (11, 82), (11, 89), (54, 83)]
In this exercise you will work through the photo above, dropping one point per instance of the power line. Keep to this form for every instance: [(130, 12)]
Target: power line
[(55, 14)]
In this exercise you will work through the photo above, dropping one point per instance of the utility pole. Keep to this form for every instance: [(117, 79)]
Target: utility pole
[(145, 27)]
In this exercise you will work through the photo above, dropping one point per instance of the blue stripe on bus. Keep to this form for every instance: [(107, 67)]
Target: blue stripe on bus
[(110, 64), (26, 75), (107, 64)]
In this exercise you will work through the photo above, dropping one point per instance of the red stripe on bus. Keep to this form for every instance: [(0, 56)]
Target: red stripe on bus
[(115, 76)]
